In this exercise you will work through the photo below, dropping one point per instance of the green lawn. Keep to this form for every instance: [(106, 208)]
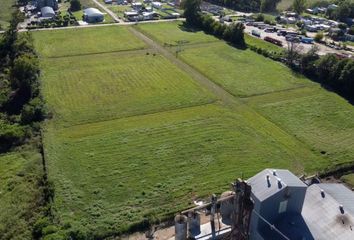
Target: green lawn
[(348, 179), (171, 32), (323, 120), (6, 8), (105, 86), (19, 194), (134, 136), (241, 72), (71, 42), (111, 174), (256, 42)]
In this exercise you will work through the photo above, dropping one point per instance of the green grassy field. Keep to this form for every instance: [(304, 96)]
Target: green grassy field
[(71, 42), (5, 12), (107, 86), (133, 136), (241, 72), (348, 179), (19, 194), (256, 42), (321, 119), (157, 164), (171, 32)]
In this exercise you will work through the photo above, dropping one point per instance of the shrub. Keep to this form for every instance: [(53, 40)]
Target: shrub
[(75, 5), (318, 37)]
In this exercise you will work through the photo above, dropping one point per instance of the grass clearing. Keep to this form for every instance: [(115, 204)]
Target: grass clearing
[(242, 72), (19, 194), (106, 86), (69, 42), (323, 120), (6, 9), (348, 179), (157, 164), (171, 32), (253, 41)]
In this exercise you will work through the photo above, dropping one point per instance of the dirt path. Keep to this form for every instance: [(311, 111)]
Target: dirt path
[(114, 16), (221, 93)]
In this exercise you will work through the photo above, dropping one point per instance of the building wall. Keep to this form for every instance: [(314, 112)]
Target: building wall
[(269, 208)]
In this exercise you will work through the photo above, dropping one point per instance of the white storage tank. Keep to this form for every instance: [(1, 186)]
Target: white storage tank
[(180, 227)]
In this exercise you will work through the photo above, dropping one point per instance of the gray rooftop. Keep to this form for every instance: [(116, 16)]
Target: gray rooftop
[(341, 194), (92, 12), (263, 189), (323, 217)]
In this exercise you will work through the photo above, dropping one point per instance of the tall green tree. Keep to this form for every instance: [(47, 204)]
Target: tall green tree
[(299, 6), (192, 11)]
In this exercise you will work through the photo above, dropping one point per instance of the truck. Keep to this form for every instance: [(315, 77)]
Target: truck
[(273, 40), (256, 33), (306, 40)]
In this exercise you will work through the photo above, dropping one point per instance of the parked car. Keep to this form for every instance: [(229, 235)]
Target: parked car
[(306, 40), (256, 33), (282, 32), (270, 30)]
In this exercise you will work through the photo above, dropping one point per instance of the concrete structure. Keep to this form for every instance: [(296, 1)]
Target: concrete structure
[(93, 15), (47, 12), (286, 208)]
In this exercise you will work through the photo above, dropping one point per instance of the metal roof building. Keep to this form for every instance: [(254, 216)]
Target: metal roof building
[(93, 15), (47, 12), (286, 208)]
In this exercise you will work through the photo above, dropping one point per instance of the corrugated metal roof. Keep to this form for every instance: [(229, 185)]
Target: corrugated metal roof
[(263, 189), (341, 194), (47, 10), (92, 12), (323, 217)]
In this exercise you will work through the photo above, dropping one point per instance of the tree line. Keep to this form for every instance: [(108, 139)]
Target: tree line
[(21, 105), (232, 33), (248, 5)]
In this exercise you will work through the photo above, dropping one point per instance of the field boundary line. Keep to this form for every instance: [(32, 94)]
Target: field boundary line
[(225, 96), (142, 114), (276, 91), (124, 51)]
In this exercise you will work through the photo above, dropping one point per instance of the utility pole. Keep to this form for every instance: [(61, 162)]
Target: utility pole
[(242, 210)]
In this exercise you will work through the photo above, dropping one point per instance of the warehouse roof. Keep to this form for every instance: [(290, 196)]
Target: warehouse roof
[(323, 216), (47, 10), (92, 12), (270, 181)]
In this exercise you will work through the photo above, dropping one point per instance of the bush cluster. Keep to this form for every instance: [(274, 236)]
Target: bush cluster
[(21, 104)]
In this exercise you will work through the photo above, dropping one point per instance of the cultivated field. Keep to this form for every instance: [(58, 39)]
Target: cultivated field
[(171, 32), (135, 137), (70, 42), (322, 120), (5, 12), (241, 72), (105, 86), (157, 164)]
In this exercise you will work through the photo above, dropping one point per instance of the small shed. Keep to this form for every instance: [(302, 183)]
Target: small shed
[(47, 12), (93, 15)]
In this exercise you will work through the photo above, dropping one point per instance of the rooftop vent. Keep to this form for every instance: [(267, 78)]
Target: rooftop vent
[(280, 185), (274, 172), (322, 193), (341, 208)]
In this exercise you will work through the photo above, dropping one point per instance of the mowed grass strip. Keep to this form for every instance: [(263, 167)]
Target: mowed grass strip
[(81, 41), (105, 86), (112, 174), (242, 72), (172, 32), (322, 120)]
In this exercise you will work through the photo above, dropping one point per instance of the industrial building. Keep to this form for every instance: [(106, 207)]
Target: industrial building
[(47, 12), (276, 205), (93, 15)]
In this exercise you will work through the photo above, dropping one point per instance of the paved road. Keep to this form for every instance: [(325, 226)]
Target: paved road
[(100, 25), (114, 16)]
